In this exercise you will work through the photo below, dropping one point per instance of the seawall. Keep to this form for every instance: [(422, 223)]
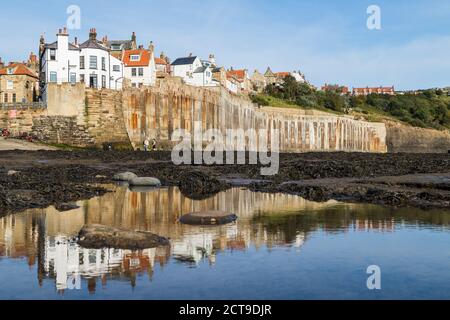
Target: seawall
[(88, 118)]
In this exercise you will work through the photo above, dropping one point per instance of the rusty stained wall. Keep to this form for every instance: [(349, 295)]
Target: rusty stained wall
[(157, 112)]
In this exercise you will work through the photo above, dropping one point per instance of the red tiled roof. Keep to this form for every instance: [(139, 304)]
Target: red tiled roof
[(160, 61), (282, 74), (144, 60), (19, 69), (238, 74)]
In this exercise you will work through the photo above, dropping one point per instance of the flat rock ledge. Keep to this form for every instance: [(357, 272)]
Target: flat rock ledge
[(99, 237), (208, 218)]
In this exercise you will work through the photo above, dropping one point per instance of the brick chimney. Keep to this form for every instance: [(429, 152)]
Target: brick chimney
[(93, 34), (133, 39), (2, 64)]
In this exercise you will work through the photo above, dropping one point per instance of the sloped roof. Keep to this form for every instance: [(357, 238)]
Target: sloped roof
[(238, 74), (93, 44), (160, 61), (184, 61), (144, 58), (200, 69), (18, 69), (126, 44), (54, 45)]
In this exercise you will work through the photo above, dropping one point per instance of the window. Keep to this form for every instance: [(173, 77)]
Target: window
[(82, 78), (116, 68), (135, 57), (133, 72), (52, 54), (10, 70), (6, 98), (133, 85), (140, 85), (103, 63), (14, 99), (141, 72), (116, 47), (9, 85), (73, 78), (103, 82), (92, 62), (82, 62), (53, 76)]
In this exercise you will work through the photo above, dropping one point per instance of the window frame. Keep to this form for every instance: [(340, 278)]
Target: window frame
[(93, 63), (55, 74), (82, 62), (52, 54)]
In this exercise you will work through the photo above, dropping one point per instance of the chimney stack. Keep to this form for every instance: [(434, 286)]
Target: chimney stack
[(151, 47), (190, 54), (93, 34), (2, 65), (76, 41)]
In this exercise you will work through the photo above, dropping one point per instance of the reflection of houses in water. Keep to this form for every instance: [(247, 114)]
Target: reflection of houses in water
[(375, 225), (68, 262), (265, 221)]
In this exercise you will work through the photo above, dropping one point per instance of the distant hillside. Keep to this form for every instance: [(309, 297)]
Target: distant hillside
[(427, 109)]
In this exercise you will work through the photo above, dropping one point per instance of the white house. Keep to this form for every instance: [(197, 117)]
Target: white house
[(193, 71), (140, 66), (89, 62)]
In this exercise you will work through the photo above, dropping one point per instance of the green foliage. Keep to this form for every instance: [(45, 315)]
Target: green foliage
[(428, 109), (259, 100)]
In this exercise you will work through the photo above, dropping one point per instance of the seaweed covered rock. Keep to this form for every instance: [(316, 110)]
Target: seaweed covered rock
[(124, 176), (145, 182), (100, 236), (198, 185), (208, 218)]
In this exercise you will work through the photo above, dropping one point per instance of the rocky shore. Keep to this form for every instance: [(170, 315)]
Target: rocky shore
[(37, 179)]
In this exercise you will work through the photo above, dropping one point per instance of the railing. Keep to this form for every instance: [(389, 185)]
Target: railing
[(23, 105)]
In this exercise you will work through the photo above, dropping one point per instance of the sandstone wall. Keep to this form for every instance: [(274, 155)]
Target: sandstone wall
[(157, 112), (402, 138), (86, 117)]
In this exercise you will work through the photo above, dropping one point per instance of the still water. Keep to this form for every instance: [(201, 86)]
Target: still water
[(282, 247)]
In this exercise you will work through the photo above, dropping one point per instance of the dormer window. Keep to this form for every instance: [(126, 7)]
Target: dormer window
[(10, 70), (116, 47), (135, 57)]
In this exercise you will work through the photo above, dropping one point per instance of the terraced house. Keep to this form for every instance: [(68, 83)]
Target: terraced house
[(18, 84), (90, 62)]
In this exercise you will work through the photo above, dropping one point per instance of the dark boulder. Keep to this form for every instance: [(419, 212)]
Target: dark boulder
[(99, 236), (208, 218)]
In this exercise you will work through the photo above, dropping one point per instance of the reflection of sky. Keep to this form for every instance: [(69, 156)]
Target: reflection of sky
[(328, 250)]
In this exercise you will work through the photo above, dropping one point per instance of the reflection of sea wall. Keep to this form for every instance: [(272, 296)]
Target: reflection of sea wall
[(264, 220)]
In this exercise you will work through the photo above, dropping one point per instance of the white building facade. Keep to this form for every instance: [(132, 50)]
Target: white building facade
[(193, 72), (140, 67), (89, 62)]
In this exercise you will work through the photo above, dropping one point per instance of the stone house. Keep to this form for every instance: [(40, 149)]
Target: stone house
[(18, 83)]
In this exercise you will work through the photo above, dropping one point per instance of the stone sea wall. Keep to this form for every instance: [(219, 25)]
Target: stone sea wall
[(157, 112), (89, 118)]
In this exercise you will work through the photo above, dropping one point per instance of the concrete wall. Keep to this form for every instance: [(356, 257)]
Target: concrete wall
[(88, 117), (157, 112)]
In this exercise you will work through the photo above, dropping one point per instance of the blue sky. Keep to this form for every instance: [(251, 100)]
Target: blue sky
[(327, 40)]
